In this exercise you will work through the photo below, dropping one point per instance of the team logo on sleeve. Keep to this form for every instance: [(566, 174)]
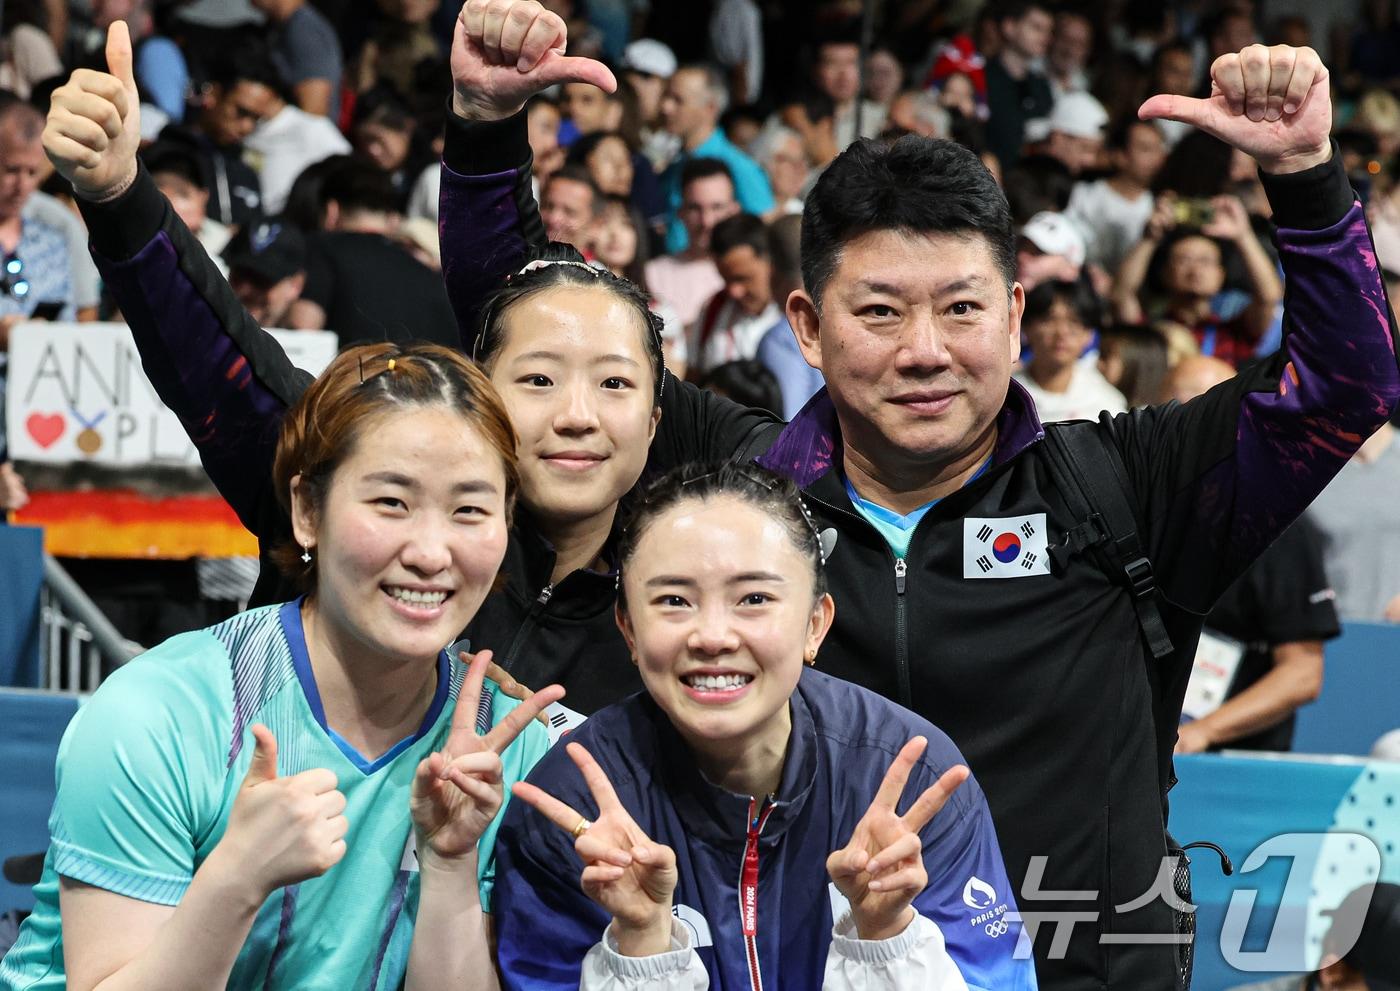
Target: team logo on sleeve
[(978, 894), (988, 911), (1013, 547)]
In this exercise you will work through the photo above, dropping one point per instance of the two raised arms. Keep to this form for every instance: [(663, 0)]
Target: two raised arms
[(632, 877)]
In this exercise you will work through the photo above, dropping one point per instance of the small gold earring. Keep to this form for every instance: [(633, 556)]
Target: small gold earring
[(810, 658)]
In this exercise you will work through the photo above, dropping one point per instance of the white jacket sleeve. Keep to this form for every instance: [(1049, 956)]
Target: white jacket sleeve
[(680, 969), (915, 960)]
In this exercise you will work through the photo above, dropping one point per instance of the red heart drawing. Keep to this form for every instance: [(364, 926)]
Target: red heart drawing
[(45, 429)]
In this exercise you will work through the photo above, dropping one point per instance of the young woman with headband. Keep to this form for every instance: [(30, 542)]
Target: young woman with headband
[(572, 350), (305, 795), (680, 840)]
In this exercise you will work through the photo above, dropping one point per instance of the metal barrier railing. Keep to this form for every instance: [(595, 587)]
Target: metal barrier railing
[(77, 643)]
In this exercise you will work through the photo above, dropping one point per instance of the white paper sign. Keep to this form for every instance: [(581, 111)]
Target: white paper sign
[(1217, 660), (77, 393)]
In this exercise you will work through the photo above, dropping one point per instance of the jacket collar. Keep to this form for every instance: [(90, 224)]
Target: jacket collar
[(529, 562), (809, 446), (718, 816)]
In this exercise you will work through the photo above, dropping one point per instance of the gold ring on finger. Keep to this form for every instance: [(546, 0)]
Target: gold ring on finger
[(581, 828)]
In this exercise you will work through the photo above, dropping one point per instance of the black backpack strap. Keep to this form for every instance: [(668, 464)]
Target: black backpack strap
[(757, 442), (1107, 527)]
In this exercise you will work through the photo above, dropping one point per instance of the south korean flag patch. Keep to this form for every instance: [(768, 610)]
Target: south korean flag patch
[(1013, 547)]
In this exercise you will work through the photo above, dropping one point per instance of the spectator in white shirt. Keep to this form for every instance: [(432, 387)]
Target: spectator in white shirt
[(287, 142), (1112, 212), (1058, 326), (733, 322)]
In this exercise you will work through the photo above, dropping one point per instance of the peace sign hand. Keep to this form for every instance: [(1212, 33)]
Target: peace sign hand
[(881, 869), (457, 791), (628, 874), (506, 51)]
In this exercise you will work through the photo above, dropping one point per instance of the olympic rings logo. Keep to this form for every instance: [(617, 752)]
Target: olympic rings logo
[(997, 928)]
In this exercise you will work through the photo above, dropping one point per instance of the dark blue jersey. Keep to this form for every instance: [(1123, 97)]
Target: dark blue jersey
[(843, 741)]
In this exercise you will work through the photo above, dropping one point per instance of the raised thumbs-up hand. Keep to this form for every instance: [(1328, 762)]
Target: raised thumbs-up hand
[(281, 830), (506, 51), (94, 125), (1271, 103)]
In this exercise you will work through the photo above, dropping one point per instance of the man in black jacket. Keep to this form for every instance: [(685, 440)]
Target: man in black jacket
[(955, 553)]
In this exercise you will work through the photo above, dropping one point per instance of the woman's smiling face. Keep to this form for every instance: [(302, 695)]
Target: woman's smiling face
[(720, 614)]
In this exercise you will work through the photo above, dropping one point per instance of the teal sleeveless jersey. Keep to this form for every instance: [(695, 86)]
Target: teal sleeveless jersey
[(148, 771)]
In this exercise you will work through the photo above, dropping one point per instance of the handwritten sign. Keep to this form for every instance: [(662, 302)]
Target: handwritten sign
[(77, 393)]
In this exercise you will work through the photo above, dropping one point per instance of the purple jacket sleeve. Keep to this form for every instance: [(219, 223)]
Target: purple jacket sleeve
[(487, 217), (1234, 467), (488, 221), (227, 380)]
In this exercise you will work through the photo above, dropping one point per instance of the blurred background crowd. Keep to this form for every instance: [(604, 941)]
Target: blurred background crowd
[(300, 141)]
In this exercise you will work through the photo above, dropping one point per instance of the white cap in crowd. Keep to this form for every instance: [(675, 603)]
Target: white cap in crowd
[(1079, 115), (650, 56), (1055, 234)]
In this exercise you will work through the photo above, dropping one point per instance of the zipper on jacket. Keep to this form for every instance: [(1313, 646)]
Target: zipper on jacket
[(527, 625), (748, 888), (901, 637)]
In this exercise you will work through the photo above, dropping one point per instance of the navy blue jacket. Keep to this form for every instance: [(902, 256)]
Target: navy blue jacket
[(843, 740)]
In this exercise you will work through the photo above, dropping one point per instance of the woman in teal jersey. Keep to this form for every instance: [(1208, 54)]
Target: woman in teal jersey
[(304, 796)]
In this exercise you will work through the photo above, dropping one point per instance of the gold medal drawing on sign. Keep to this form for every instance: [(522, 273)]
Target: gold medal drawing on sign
[(89, 441)]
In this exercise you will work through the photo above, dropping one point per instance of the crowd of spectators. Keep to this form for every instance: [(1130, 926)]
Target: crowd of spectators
[(300, 140)]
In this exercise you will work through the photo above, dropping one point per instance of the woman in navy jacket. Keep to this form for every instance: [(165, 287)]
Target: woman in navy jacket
[(689, 852)]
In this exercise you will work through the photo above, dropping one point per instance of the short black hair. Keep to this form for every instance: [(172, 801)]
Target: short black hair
[(736, 232), (1037, 183), (748, 382), (586, 143), (574, 172), (1166, 48), (246, 60), (919, 185), (174, 158), (358, 185), (1199, 166), (1014, 10), (1079, 296), (785, 248), (1121, 133), (704, 168), (383, 106)]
